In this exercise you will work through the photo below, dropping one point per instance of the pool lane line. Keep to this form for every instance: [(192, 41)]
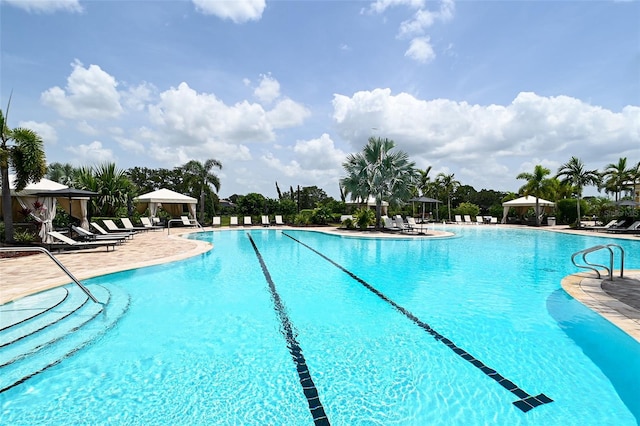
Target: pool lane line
[(308, 387), (525, 402)]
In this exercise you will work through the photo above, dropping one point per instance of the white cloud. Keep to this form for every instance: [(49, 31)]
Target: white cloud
[(86, 128), (130, 145), (136, 97), (46, 131), (380, 6), (438, 132), (238, 11), (90, 93), (319, 154), (268, 90), (287, 113), (46, 6), (93, 153), (421, 50)]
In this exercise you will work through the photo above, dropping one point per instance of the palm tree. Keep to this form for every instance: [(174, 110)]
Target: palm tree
[(200, 177), (115, 189), (573, 172), (380, 172), (536, 183), (425, 185), (448, 184), (26, 156), (616, 177), (62, 173)]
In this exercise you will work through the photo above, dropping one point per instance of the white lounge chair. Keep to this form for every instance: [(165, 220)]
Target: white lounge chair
[(247, 221), (112, 227), (494, 220), (390, 224), (479, 220), (467, 219), (265, 220), (90, 236), (458, 219), (233, 221), (279, 221), (189, 222), (102, 231), (216, 221), (612, 224), (146, 222), (71, 243), (634, 228), (126, 222)]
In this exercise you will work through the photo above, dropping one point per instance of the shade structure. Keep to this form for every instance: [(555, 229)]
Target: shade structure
[(71, 194), (28, 198), (525, 203), (425, 200), (627, 203), (166, 198)]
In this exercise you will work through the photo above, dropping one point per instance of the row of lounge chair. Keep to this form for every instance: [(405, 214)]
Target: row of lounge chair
[(248, 221), (479, 220), (617, 227)]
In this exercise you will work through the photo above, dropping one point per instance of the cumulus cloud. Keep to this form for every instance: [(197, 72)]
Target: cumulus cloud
[(493, 139), (47, 6), (268, 90), (421, 50), (287, 113), (238, 11), (136, 97), (86, 128), (91, 93), (130, 145), (46, 131), (93, 153)]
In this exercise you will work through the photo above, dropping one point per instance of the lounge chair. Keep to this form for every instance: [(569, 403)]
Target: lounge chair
[(458, 219), (265, 220), (467, 219), (493, 220), (233, 221), (67, 242), (479, 220), (112, 227), (634, 228), (279, 221), (390, 224), (90, 236), (146, 222), (612, 224), (189, 222), (116, 235), (216, 221), (126, 222), (247, 221)]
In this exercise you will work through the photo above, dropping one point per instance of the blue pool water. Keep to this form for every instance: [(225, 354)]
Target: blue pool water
[(209, 340)]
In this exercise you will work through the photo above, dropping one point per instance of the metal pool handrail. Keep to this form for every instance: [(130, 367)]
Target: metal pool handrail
[(57, 262), (592, 266)]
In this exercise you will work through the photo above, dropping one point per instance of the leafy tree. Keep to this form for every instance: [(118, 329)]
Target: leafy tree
[(536, 183), (115, 189), (448, 185), (425, 184), (252, 204), (380, 172), (22, 150), (573, 172), (199, 178), (468, 208), (311, 197)]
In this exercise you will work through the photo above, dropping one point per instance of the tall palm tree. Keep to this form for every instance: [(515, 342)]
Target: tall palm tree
[(380, 172), (574, 172), (536, 183), (21, 149), (448, 184), (425, 185), (616, 177), (200, 178), (115, 189)]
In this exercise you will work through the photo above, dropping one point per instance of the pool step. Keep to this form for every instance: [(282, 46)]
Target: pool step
[(63, 326)]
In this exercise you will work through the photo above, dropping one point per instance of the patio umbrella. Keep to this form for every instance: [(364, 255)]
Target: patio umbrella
[(627, 203), (425, 200), (69, 193)]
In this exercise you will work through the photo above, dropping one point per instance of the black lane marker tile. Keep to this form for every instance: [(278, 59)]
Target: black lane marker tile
[(524, 402), (308, 387)]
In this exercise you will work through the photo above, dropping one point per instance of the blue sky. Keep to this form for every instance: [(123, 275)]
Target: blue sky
[(284, 90)]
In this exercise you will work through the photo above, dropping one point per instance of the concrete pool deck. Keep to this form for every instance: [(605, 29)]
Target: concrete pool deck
[(617, 300)]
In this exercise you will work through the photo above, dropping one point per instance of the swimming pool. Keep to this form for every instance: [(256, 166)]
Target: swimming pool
[(382, 331)]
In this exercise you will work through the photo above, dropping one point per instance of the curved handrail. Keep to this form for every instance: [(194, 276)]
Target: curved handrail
[(57, 262), (592, 266)]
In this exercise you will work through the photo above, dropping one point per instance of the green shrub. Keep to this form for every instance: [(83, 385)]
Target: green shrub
[(24, 236), (365, 217), (467, 208)]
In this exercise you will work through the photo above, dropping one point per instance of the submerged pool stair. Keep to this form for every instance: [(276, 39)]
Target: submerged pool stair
[(39, 331)]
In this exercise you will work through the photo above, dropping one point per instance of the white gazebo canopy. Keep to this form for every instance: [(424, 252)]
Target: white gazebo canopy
[(525, 203), (169, 200), (371, 203), (27, 198)]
